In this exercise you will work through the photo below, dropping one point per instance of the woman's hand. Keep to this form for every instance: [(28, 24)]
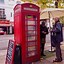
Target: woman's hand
[(43, 32)]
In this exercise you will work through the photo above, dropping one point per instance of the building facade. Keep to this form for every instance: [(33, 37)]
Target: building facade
[(6, 7), (7, 15)]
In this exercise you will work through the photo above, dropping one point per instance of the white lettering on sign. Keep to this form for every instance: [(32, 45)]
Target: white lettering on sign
[(18, 10), (31, 9)]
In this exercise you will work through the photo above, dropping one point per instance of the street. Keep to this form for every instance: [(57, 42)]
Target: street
[(4, 39)]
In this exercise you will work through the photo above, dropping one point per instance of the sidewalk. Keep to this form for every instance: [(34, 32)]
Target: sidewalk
[(42, 61), (2, 56), (50, 59)]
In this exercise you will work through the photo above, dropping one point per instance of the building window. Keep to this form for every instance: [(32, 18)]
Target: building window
[(2, 14), (1, 1), (11, 14)]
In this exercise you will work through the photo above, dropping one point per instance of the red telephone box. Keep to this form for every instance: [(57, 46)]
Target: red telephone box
[(27, 31)]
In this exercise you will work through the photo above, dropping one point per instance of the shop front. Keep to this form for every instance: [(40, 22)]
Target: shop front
[(5, 27)]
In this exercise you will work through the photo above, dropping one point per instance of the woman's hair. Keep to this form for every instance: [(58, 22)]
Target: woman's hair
[(43, 23)]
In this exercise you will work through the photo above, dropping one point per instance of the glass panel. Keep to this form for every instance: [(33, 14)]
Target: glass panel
[(2, 14), (31, 43), (31, 53), (32, 48), (31, 27), (31, 38), (29, 17), (31, 33), (31, 22)]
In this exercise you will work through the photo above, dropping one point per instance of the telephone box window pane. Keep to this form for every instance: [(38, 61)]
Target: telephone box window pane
[(31, 54), (32, 33), (31, 43), (29, 17), (31, 38), (31, 22), (31, 27), (31, 48)]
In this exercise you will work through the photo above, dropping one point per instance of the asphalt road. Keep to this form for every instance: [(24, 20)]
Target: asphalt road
[(4, 39)]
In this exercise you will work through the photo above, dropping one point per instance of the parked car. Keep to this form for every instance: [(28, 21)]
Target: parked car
[(1, 31)]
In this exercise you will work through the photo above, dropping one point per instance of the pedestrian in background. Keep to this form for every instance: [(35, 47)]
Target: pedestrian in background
[(52, 38), (57, 38), (43, 32)]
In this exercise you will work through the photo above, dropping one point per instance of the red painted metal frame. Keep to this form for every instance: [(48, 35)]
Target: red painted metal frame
[(19, 29)]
